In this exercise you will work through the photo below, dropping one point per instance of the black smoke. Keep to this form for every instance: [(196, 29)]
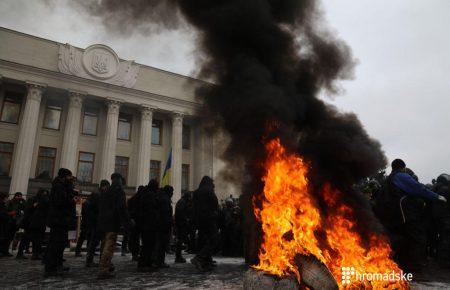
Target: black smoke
[(270, 60)]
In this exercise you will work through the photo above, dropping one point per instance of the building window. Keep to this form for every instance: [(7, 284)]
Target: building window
[(85, 166), (11, 107), (6, 152), (46, 163), (156, 132), (124, 128), (52, 115), (122, 166), (155, 170), (184, 177), (186, 140), (90, 120)]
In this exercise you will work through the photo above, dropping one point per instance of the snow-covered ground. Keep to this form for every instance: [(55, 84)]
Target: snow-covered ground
[(27, 274)]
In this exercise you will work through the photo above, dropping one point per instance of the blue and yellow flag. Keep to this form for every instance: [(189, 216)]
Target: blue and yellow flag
[(167, 171)]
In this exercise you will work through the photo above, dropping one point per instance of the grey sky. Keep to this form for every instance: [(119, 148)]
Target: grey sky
[(401, 88)]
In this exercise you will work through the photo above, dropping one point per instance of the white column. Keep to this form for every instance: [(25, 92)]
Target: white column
[(23, 151), (71, 133), (145, 146), (110, 140), (177, 153), (203, 154)]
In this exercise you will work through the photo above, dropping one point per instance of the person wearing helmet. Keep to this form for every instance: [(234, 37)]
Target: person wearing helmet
[(407, 226)]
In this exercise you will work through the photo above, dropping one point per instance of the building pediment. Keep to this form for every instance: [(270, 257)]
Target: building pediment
[(97, 62)]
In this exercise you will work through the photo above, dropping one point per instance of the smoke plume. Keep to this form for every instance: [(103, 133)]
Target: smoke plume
[(270, 60)]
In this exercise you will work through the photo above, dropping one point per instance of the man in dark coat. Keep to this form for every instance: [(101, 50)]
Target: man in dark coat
[(206, 213), (37, 224), (94, 234), (230, 232), (134, 242), (61, 218), (165, 225), (183, 223), (147, 220), (34, 224), (113, 214)]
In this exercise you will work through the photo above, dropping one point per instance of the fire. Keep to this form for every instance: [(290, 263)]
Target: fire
[(290, 219)]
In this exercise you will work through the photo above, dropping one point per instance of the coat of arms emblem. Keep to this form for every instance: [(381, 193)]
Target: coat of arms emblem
[(100, 63)]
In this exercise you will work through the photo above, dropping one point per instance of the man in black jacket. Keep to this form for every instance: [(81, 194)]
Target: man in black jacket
[(37, 223), (34, 224), (206, 213), (183, 221), (165, 225), (134, 242), (147, 220), (95, 235), (61, 218), (113, 214)]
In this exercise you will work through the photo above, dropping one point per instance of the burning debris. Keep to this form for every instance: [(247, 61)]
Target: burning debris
[(258, 280), (315, 275), (289, 209), (294, 156)]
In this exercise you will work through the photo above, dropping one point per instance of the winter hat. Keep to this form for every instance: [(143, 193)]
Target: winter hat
[(64, 172), (116, 175), (104, 182)]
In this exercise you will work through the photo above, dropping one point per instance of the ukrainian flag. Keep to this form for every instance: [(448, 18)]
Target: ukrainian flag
[(167, 171)]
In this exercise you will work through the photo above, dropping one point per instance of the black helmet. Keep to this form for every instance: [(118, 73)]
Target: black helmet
[(398, 164), (443, 179)]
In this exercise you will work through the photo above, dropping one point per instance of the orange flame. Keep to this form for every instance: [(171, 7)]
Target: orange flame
[(290, 219)]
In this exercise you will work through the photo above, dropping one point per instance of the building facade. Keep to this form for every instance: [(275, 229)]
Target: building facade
[(91, 112)]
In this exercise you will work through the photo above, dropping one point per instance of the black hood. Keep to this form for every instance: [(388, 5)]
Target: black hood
[(206, 183)]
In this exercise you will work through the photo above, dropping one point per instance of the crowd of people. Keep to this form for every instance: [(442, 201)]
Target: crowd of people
[(199, 225), (415, 216)]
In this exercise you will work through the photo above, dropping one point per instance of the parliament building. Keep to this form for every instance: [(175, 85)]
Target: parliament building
[(90, 111)]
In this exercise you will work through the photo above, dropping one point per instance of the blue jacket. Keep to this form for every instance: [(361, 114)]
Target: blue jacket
[(411, 187)]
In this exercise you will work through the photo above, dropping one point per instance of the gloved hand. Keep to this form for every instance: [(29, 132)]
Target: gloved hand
[(442, 198)]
